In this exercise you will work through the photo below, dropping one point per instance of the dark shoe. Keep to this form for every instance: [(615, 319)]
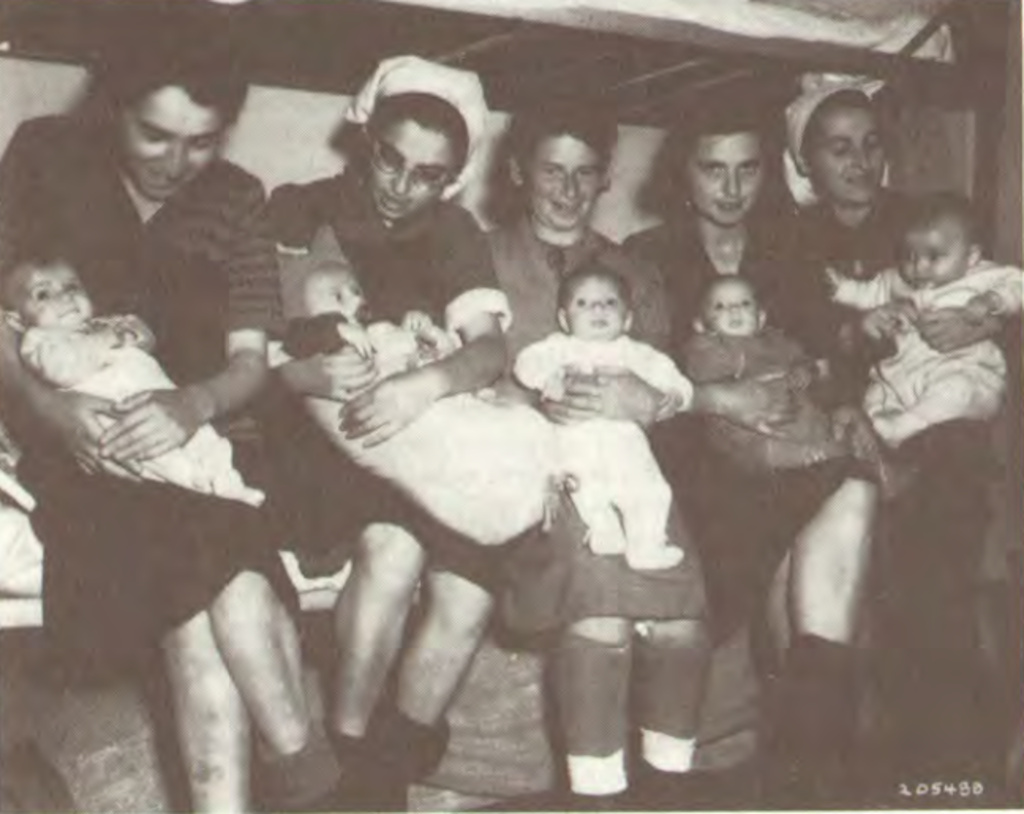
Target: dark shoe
[(297, 782), (410, 749), (368, 790), (366, 783)]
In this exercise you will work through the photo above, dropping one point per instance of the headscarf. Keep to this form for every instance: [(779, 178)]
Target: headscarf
[(815, 90), (412, 74)]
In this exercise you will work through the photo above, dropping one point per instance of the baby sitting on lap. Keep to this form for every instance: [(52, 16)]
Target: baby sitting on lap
[(64, 344), (481, 468), (733, 343), (620, 491), (918, 386)]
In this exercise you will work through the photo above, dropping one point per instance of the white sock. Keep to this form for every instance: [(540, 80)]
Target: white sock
[(598, 775), (666, 752)]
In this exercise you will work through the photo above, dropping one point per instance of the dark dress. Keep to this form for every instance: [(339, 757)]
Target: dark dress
[(554, 579), (423, 263), (126, 561), (743, 521)]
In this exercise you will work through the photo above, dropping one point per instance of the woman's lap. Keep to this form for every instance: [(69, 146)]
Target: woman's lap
[(325, 501), (128, 561), (744, 524), (553, 579)]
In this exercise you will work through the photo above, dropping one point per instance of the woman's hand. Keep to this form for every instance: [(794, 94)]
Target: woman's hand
[(338, 376), (149, 424), (763, 404), (388, 407), (886, 321), (615, 394), (852, 426), (947, 329), (79, 421)]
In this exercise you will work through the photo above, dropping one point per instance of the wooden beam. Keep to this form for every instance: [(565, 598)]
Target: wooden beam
[(805, 55), (459, 55)]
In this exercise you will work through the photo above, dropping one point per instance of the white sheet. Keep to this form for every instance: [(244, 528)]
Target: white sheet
[(883, 25)]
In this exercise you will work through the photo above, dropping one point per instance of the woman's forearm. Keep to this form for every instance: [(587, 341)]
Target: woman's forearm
[(238, 383), (715, 398), (232, 388), (477, 364)]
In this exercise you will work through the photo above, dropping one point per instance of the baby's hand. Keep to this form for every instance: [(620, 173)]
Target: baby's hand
[(357, 337), (133, 332), (554, 387), (417, 321), (886, 321), (835, 279), (802, 375)]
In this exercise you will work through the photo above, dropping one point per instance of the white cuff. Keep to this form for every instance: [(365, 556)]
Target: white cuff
[(476, 301), (666, 752), (597, 776)]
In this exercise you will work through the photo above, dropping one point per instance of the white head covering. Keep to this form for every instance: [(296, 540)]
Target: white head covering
[(411, 74), (816, 88)]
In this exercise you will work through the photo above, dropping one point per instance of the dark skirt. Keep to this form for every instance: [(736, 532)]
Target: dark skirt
[(744, 522), (552, 579), (127, 562)]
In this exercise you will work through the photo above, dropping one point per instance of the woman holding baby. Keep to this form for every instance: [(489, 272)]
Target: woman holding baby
[(623, 625), (781, 504), (129, 199), (420, 260), (937, 713)]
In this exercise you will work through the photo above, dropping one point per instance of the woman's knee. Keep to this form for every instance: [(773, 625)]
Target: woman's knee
[(196, 666), (390, 558), (459, 606), (246, 600), (854, 502), (690, 634), (608, 630)]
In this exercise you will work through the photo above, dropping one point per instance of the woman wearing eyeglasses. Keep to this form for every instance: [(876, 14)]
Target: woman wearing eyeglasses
[(415, 127)]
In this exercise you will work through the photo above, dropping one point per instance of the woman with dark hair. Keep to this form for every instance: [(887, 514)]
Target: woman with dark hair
[(135, 197), (618, 629), (796, 541), (417, 125), (925, 628)]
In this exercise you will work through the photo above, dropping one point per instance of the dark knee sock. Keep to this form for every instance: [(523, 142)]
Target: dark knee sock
[(671, 680), (592, 683), (814, 709)]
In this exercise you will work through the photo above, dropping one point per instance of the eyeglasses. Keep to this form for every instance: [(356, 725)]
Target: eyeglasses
[(390, 162)]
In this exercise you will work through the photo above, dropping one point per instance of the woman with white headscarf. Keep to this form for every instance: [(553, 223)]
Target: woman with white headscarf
[(416, 126), (926, 632)]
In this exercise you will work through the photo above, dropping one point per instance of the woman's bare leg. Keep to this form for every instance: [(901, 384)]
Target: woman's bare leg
[(778, 604), (370, 620), (442, 649), (259, 645), (830, 563), (813, 706), (212, 723)]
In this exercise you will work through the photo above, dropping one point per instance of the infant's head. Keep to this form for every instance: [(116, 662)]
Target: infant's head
[(595, 303), (333, 288), (730, 308), (940, 242), (44, 293)]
